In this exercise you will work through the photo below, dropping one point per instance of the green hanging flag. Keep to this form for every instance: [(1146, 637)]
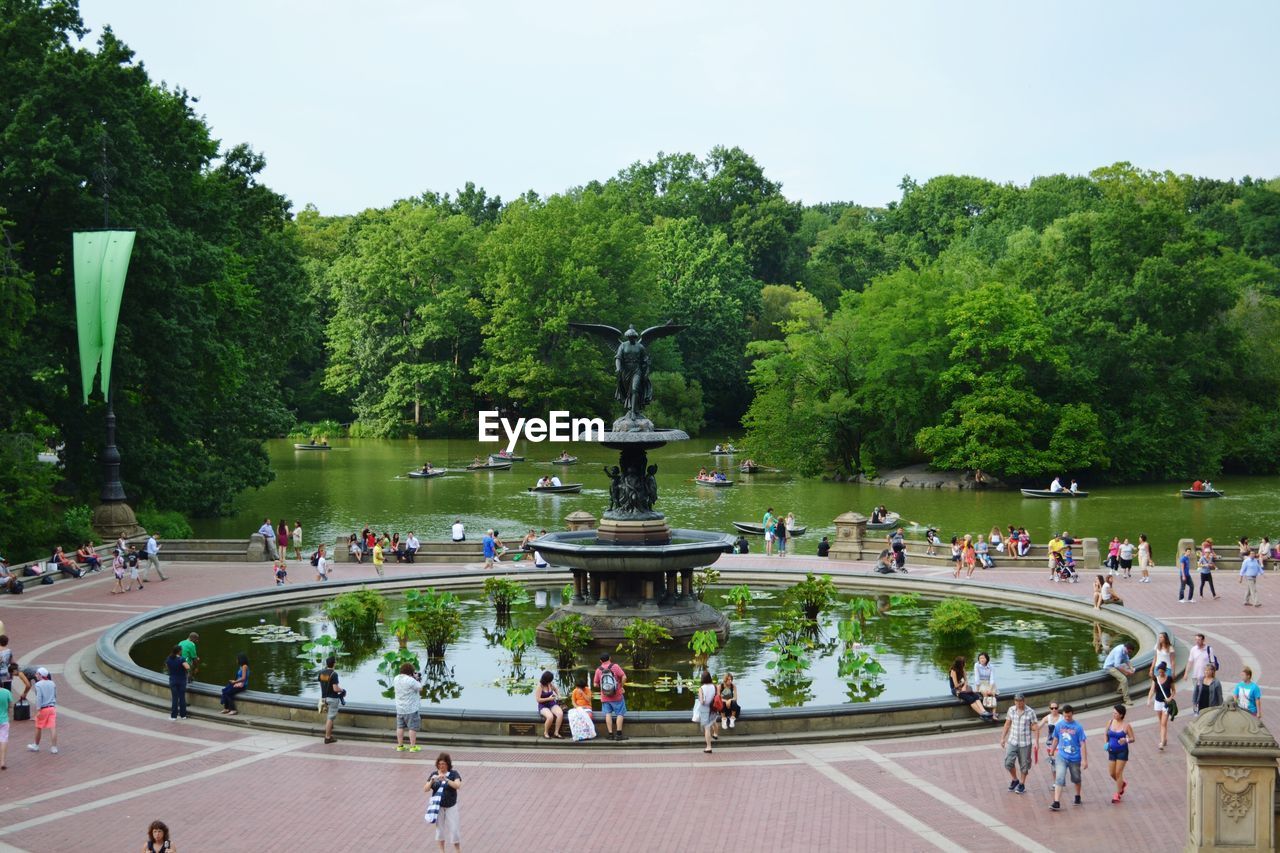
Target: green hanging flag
[(101, 264)]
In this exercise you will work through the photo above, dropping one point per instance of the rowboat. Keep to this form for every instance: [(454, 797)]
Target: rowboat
[(757, 469), (1202, 494), (490, 466), (572, 460), (503, 457), (311, 447), (566, 489), (889, 522), (422, 475), (715, 484), (752, 529), (1065, 494)]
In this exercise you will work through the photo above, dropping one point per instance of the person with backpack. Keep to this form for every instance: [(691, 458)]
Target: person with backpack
[(611, 680), (707, 708)]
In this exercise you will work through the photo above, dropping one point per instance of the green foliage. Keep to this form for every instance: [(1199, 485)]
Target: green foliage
[(391, 662), (316, 430), (639, 639), (703, 644), (571, 636), (77, 524), (504, 592), (358, 610), (710, 576), (517, 640), (955, 620), (567, 593), (322, 648), (904, 601), (677, 402), (790, 640), (862, 609), (170, 524), (739, 596), (811, 596), (435, 619)]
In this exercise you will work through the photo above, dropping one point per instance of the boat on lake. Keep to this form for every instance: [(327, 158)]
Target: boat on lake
[(505, 457), (889, 522), (752, 529), (489, 466), (565, 489), (1065, 494), (715, 484), (434, 472), (311, 447), (1202, 494), (565, 460)]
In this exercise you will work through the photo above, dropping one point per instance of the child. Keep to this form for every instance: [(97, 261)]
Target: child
[(281, 574), (582, 693), (581, 725), (117, 568), (132, 561)]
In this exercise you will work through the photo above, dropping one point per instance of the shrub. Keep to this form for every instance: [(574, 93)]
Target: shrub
[(322, 647), (703, 579), (955, 619), (313, 431), (640, 637), (358, 610), (504, 592), (811, 595), (434, 618), (789, 643), (391, 662), (739, 597), (703, 644), (77, 526), (572, 635), (169, 523), (517, 640)]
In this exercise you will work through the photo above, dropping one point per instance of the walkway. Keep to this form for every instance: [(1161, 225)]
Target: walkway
[(229, 788)]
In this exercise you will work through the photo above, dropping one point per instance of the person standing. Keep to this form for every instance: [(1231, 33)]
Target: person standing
[(443, 786), (704, 711), (769, 523), (297, 539), (1184, 577), (47, 715), (177, 668), (1118, 667), (1119, 736), (1144, 558), (780, 537), (490, 547), (322, 565), (612, 681), (408, 688), (379, 557), (1199, 656), (158, 840), (1049, 724), (1162, 693), (1126, 558), (331, 692), (6, 705), (282, 539), (1208, 690), (1248, 695), (1073, 755), (1205, 563), (153, 558), (190, 655), (1021, 729), (1250, 571)]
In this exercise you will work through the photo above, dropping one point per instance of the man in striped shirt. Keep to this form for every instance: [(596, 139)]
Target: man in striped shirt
[(1020, 728)]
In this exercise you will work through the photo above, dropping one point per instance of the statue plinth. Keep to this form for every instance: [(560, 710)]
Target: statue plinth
[(113, 519)]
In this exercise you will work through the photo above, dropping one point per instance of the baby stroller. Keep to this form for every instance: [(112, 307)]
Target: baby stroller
[(1064, 569)]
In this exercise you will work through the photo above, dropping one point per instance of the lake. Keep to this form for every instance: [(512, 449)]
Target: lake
[(362, 482)]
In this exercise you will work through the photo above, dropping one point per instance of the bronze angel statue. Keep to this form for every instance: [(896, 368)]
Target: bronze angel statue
[(631, 363)]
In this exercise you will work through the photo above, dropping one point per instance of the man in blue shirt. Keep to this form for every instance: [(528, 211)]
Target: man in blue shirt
[(1250, 571), (1184, 577), (1118, 667), (490, 549), (1073, 755)]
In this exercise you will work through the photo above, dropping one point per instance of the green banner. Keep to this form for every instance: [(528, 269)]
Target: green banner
[(101, 264)]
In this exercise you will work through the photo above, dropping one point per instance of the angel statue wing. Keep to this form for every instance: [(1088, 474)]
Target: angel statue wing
[(667, 329), (609, 333)]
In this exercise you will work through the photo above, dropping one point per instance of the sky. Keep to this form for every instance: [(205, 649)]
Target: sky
[(357, 105)]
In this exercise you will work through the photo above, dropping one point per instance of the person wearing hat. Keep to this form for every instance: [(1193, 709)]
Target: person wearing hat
[(1021, 730), (47, 715)]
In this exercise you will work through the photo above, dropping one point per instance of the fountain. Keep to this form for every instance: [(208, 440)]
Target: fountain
[(634, 565)]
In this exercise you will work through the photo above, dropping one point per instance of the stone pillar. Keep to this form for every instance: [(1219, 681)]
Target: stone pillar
[(579, 584), (580, 520), (1090, 559), (686, 584), (593, 588), (606, 588), (669, 588), (1231, 781), (851, 534)]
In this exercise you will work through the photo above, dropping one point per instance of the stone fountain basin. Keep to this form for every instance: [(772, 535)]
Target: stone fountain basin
[(581, 549)]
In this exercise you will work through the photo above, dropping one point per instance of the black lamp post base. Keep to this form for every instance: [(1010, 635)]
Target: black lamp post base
[(113, 519)]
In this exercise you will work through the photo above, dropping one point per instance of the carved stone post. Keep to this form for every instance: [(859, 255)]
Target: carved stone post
[(1231, 781), (580, 520), (851, 533)]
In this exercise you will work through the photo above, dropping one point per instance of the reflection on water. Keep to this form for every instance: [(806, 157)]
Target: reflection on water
[(362, 482), (478, 672)]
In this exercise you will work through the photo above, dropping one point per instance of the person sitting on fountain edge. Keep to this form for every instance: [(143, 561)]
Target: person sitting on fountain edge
[(741, 546), (824, 547)]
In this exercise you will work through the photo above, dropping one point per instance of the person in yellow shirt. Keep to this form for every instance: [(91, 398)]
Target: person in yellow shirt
[(1056, 547), (378, 557)]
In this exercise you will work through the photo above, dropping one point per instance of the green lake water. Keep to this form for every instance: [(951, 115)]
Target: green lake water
[(362, 482), (477, 672)]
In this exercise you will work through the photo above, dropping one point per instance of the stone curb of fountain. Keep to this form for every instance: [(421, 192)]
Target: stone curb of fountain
[(112, 671)]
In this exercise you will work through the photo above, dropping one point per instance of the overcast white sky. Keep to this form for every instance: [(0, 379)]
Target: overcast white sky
[(358, 104)]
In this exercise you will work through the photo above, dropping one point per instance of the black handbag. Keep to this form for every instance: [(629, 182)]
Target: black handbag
[(21, 711)]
